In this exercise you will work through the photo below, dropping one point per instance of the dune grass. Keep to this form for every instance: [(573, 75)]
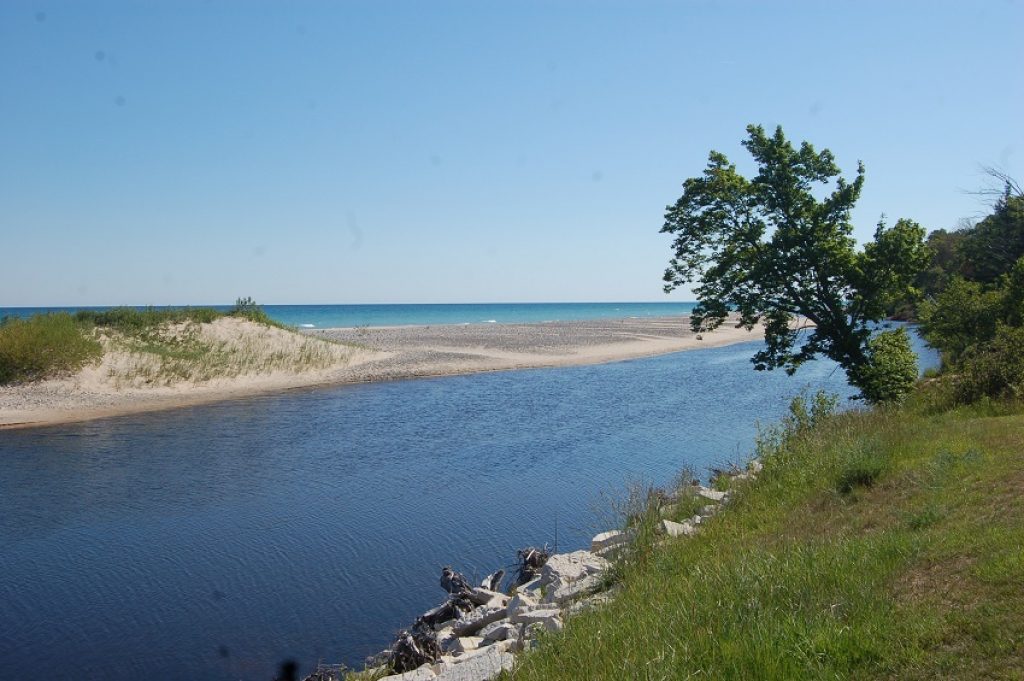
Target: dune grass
[(884, 544), (134, 321), (43, 346), (187, 352), (163, 346)]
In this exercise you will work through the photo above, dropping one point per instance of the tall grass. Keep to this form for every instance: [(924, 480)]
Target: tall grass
[(43, 346), (131, 320)]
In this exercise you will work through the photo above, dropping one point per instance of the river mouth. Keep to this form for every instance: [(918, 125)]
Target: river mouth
[(217, 541)]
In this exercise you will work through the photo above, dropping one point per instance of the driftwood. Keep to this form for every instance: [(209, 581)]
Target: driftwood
[(531, 560), (451, 609), (412, 649), (454, 582), (492, 582)]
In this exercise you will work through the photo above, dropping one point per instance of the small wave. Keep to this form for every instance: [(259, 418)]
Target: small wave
[(308, 326), (491, 321)]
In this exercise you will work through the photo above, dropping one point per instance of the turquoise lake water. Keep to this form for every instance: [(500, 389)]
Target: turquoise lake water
[(334, 316)]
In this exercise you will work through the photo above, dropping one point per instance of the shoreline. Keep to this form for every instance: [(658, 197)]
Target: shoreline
[(383, 354)]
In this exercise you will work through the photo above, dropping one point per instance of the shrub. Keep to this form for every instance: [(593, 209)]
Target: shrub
[(891, 370), (43, 346), (247, 308), (994, 369)]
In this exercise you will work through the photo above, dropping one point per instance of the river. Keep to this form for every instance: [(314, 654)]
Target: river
[(214, 542)]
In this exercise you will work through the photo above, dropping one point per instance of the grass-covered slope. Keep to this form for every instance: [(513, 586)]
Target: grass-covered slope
[(43, 346), (134, 347), (883, 544)]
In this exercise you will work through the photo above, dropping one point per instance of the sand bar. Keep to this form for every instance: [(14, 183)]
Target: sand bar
[(380, 354)]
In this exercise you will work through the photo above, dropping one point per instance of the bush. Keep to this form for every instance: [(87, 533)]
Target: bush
[(994, 369), (963, 315), (43, 346), (891, 370), (247, 308)]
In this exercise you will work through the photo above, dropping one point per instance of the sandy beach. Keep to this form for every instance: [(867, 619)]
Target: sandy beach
[(369, 354)]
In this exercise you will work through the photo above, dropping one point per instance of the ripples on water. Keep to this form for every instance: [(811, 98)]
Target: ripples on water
[(215, 541)]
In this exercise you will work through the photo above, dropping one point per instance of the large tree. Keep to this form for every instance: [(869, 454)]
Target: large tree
[(769, 249)]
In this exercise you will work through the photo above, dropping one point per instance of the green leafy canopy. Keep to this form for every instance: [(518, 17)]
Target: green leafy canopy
[(772, 251)]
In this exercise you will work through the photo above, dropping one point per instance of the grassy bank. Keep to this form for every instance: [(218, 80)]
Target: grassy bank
[(882, 544)]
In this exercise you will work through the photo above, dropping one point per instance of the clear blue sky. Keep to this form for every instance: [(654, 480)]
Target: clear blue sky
[(359, 152)]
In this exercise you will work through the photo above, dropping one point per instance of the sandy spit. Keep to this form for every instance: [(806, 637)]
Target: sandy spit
[(369, 354)]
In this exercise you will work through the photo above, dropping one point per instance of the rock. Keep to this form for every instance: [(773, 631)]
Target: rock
[(712, 494), (477, 620), (607, 540), (504, 646), (499, 631), (568, 575), (709, 510), (539, 615), (424, 673), (481, 596), (673, 529), (562, 594), (485, 664), (755, 466), (464, 644), (530, 588), (446, 637), (570, 566), (553, 624), (521, 601)]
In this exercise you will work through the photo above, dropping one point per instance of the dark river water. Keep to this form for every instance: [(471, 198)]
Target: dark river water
[(214, 542)]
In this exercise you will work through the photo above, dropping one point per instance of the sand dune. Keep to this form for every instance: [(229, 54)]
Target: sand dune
[(253, 359)]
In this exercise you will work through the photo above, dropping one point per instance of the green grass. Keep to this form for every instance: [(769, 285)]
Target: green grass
[(43, 346), (135, 321), (167, 346), (875, 545)]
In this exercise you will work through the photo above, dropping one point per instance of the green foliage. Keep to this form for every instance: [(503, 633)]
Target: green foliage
[(993, 369), (133, 321), (945, 263), (248, 309), (822, 406), (978, 328), (990, 249), (891, 369), (769, 249), (961, 316), (43, 346)]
